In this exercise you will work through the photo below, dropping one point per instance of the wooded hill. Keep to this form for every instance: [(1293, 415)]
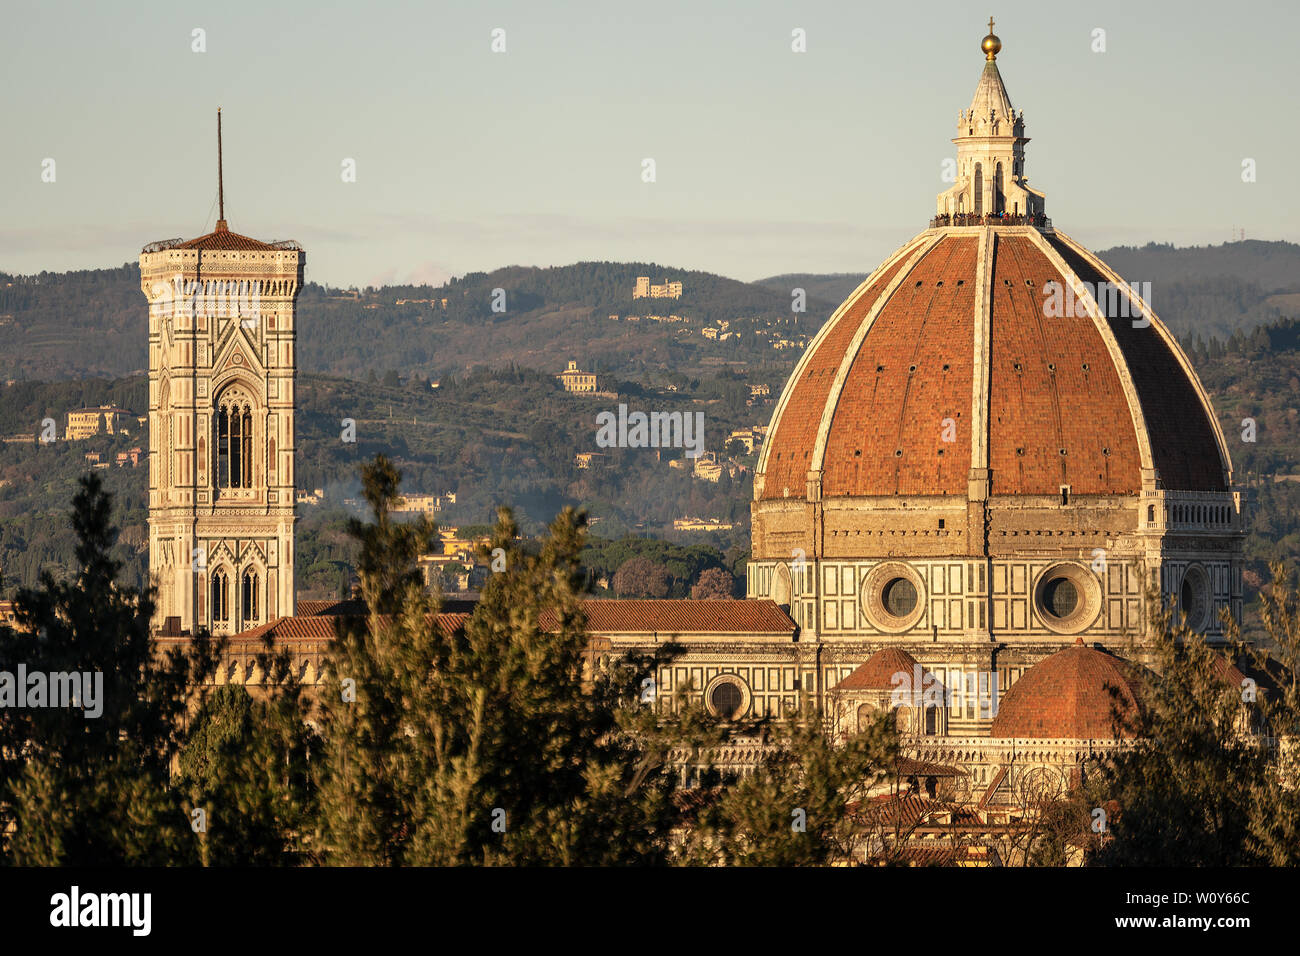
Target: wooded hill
[(509, 436), (1196, 290), (505, 436), (94, 323)]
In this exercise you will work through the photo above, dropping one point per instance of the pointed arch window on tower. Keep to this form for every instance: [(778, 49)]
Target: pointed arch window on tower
[(233, 440), (979, 189), (220, 598), (999, 199), (248, 602)]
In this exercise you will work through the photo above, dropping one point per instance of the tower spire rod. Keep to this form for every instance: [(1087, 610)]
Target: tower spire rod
[(221, 188)]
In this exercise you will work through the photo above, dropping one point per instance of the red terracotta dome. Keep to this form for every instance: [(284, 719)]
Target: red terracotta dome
[(879, 670), (948, 358), (1067, 695)]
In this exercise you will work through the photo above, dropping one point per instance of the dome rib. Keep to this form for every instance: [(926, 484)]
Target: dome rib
[(842, 374), (798, 414), (982, 359), (911, 330)]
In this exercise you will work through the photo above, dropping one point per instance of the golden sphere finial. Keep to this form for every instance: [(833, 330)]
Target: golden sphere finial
[(991, 44)]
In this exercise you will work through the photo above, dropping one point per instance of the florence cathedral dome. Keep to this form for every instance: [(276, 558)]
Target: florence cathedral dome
[(993, 441)]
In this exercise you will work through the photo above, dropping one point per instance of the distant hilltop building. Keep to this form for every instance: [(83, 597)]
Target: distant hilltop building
[(131, 457), (423, 504), (700, 524), (85, 422), (644, 290), (749, 437), (452, 549), (575, 379)]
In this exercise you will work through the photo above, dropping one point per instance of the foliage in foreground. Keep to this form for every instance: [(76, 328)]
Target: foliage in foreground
[(1194, 789)]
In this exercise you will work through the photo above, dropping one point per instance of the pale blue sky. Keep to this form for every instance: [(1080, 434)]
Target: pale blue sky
[(768, 161)]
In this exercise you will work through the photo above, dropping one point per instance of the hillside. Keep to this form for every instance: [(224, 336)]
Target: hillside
[(1205, 291), (831, 287), (510, 436), (93, 323)]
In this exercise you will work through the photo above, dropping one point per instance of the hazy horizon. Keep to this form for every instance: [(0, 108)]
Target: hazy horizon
[(666, 265)]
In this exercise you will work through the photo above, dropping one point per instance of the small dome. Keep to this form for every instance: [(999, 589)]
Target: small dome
[(879, 670), (1067, 696)]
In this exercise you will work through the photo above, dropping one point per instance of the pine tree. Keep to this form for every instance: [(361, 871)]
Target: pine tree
[(560, 775), (1195, 788), (79, 788), (491, 742), (375, 679), (246, 764), (1274, 820)]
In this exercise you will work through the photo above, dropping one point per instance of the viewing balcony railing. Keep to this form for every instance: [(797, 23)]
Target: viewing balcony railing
[(991, 219)]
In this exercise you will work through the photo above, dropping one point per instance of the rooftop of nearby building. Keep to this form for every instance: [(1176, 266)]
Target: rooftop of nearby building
[(316, 619)]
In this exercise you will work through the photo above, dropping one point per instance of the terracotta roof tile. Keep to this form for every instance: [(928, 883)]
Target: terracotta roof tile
[(1183, 443), (912, 372), (603, 616), (1227, 672), (223, 240), (335, 606), (1054, 386), (322, 628), (795, 430)]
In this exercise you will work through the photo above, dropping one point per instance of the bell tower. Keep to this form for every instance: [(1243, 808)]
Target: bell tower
[(222, 320)]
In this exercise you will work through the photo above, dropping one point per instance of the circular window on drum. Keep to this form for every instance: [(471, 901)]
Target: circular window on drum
[(1067, 598), (893, 597), (1194, 597), (727, 697)]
